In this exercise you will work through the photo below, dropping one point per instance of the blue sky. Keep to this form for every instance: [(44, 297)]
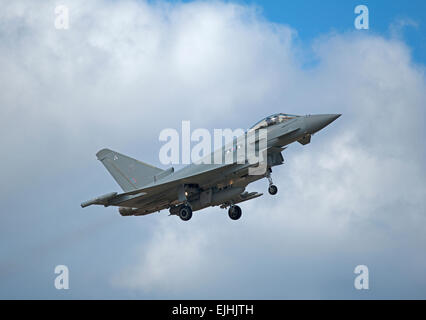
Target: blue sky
[(125, 70), (312, 18)]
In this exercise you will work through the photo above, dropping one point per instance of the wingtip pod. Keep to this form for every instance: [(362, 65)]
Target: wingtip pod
[(102, 200)]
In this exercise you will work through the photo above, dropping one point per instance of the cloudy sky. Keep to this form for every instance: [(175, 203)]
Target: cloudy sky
[(125, 70)]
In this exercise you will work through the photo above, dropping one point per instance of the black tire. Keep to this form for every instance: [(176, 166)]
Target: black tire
[(234, 212), (185, 213), (272, 189)]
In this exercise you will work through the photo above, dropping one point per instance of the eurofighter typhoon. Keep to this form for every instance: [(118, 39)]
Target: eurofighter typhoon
[(148, 189)]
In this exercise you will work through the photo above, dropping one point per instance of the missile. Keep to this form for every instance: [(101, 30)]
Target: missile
[(103, 200)]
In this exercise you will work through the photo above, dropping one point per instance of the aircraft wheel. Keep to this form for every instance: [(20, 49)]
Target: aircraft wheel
[(234, 212), (185, 213), (272, 189)]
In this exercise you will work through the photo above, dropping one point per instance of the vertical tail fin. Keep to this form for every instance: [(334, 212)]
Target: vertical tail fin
[(129, 173)]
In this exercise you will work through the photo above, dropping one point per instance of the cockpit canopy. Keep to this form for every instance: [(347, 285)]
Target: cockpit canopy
[(271, 120)]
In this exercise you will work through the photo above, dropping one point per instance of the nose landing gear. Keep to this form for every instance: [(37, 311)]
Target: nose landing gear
[(272, 188)]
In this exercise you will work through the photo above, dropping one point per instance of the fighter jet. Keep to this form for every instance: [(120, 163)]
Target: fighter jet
[(148, 189)]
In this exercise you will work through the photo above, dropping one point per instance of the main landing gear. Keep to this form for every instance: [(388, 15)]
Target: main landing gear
[(234, 212), (272, 188), (185, 212)]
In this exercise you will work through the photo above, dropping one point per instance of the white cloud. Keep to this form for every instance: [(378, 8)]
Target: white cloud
[(397, 27), (170, 262), (126, 69)]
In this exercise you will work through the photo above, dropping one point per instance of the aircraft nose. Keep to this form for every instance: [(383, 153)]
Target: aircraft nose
[(319, 121)]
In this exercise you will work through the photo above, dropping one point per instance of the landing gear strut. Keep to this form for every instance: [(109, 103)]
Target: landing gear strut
[(185, 212), (272, 188), (234, 212)]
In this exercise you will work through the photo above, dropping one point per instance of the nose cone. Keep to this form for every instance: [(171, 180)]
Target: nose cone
[(317, 122)]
